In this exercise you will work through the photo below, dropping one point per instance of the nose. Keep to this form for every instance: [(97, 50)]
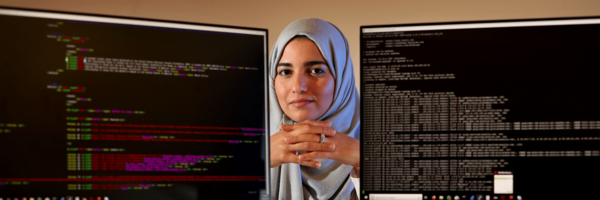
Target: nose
[(299, 83)]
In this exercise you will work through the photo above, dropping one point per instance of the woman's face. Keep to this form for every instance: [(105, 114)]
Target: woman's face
[(304, 84)]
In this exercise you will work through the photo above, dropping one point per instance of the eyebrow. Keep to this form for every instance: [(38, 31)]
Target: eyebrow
[(307, 64), (311, 63), (284, 64)]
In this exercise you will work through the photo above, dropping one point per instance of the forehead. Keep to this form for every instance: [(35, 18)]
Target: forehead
[(301, 49)]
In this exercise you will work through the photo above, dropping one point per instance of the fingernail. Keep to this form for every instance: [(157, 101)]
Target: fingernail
[(318, 165), (332, 131), (332, 147), (301, 157), (286, 139)]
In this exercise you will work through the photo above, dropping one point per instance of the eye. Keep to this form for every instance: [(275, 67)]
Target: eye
[(317, 71), (284, 72)]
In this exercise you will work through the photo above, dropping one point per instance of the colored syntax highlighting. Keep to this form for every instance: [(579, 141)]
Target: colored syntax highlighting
[(65, 38), (8, 127), (130, 66), (80, 128), (167, 126), (65, 88), (103, 129), (102, 125), (150, 138), (105, 111), (135, 186), (125, 178), (72, 99), (98, 119), (141, 162), (95, 149)]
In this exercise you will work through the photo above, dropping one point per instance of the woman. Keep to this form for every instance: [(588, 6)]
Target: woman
[(315, 152)]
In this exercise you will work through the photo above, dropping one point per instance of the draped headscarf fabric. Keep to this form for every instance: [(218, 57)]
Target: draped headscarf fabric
[(332, 179)]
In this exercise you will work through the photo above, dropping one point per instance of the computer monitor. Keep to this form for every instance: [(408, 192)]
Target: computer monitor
[(480, 110), (102, 107)]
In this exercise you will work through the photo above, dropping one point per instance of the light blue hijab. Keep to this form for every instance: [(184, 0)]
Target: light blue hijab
[(332, 179)]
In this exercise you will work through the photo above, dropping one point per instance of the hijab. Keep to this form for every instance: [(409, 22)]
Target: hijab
[(332, 179)]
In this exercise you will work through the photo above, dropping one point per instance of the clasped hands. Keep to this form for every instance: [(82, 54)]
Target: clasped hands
[(306, 136)]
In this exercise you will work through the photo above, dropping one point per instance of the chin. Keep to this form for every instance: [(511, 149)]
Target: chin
[(300, 117)]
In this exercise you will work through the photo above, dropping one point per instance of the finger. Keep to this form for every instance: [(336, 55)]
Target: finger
[(317, 123), (313, 155), (310, 163), (307, 129), (310, 146), (311, 122), (303, 138), (293, 158)]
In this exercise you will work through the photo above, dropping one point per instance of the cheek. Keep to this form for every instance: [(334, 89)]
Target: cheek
[(327, 93), (280, 92)]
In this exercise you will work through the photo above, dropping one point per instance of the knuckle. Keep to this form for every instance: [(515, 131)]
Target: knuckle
[(306, 145), (306, 126), (295, 159), (284, 147), (306, 157)]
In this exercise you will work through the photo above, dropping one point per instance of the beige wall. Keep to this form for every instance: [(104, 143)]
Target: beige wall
[(348, 15)]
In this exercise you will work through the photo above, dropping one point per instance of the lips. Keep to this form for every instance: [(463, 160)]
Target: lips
[(301, 102)]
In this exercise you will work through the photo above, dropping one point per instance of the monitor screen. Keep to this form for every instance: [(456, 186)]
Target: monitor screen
[(101, 107), (480, 110)]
